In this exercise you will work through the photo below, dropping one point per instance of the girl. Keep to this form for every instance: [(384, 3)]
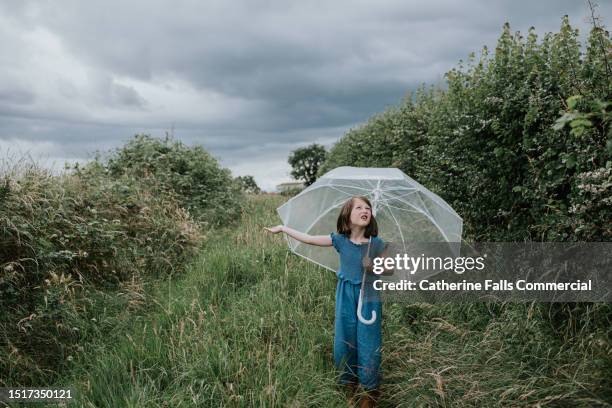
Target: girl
[(356, 345)]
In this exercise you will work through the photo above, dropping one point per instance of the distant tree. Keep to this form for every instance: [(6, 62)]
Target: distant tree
[(248, 184), (306, 162)]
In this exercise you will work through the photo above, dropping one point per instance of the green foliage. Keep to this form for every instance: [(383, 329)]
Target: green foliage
[(396, 137), (598, 115), (203, 188), (110, 225), (501, 145), (369, 143), (248, 184), (306, 161), (61, 238)]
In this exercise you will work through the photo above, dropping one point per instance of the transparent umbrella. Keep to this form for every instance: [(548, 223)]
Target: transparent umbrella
[(406, 211)]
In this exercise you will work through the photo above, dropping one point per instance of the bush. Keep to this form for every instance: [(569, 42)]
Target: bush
[(203, 188), (65, 237), (508, 145)]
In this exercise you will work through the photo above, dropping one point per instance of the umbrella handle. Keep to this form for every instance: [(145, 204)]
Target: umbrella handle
[(360, 316), (360, 302)]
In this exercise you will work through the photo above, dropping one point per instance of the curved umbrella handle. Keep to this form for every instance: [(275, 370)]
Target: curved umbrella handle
[(360, 316)]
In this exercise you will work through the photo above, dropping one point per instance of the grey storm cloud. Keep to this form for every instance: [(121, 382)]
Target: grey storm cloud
[(16, 96), (249, 80)]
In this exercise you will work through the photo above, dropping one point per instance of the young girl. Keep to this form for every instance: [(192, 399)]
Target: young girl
[(356, 345)]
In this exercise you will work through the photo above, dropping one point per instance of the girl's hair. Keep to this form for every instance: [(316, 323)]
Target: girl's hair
[(344, 219)]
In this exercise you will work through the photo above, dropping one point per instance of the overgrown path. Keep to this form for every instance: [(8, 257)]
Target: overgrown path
[(250, 324)]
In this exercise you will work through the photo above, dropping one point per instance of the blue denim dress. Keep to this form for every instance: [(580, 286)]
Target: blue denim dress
[(356, 345)]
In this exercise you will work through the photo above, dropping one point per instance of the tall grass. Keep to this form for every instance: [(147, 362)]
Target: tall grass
[(249, 325), (67, 243), (252, 325)]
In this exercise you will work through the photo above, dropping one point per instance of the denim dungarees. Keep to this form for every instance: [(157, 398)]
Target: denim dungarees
[(356, 345)]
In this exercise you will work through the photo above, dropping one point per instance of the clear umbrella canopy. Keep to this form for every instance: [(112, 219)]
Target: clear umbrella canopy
[(406, 211)]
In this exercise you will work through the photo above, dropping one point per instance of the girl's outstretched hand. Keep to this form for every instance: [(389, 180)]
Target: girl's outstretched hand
[(275, 230)]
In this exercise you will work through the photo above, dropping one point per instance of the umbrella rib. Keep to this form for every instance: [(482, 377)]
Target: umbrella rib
[(433, 196), (322, 215), (426, 214), (399, 227), (399, 196), (312, 260), (430, 194), (411, 205), (345, 192), (398, 188), (334, 186), (424, 206), (402, 209), (440, 201)]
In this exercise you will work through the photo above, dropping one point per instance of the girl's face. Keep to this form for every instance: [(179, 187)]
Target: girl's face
[(361, 213)]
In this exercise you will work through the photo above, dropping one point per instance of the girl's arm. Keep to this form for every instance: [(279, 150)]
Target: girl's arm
[(319, 240)]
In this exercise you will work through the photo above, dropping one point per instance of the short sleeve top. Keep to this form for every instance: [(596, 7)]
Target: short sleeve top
[(351, 255)]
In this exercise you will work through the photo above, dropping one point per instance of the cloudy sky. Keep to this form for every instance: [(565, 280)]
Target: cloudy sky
[(249, 80)]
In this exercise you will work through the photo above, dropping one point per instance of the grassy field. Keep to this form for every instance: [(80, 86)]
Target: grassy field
[(251, 324)]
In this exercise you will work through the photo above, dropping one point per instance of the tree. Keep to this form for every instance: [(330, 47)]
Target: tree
[(306, 162), (248, 184)]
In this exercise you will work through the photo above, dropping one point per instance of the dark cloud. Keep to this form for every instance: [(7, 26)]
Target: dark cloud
[(16, 96)]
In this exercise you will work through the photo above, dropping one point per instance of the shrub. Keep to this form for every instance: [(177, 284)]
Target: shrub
[(519, 144), (203, 188), (64, 237)]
